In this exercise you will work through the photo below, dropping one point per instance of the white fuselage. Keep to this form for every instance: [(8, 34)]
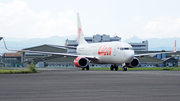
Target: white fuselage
[(108, 52)]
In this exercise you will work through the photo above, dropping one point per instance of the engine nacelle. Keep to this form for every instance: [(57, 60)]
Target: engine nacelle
[(81, 62), (134, 63)]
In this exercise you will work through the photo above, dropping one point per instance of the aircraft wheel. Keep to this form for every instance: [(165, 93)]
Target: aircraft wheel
[(87, 68), (116, 68), (124, 68), (83, 68), (112, 67)]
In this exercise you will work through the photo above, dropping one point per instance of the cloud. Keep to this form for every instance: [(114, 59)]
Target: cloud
[(165, 26), (43, 15), (61, 25), (162, 27), (13, 14), (18, 20)]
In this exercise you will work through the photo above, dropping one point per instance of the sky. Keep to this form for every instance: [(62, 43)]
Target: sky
[(124, 18)]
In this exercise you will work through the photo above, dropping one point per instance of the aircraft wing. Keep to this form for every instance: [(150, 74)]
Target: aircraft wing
[(153, 54), (53, 53)]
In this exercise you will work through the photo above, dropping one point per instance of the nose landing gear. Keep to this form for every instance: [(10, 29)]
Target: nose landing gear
[(124, 68)]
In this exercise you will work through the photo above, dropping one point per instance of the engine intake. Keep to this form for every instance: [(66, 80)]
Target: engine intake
[(81, 62), (134, 63)]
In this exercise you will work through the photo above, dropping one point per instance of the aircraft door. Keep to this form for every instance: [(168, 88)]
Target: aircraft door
[(114, 52)]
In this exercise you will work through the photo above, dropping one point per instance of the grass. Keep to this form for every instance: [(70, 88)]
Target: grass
[(11, 71), (143, 68), (31, 69)]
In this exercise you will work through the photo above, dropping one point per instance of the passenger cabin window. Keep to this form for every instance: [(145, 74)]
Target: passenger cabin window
[(126, 48)]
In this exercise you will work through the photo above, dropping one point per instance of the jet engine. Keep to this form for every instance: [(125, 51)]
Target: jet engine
[(134, 63), (81, 62)]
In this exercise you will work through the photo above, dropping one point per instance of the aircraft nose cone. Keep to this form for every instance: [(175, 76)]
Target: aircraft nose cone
[(129, 56)]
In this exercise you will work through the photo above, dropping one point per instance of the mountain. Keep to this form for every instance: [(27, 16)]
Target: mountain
[(134, 39), (158, 44)]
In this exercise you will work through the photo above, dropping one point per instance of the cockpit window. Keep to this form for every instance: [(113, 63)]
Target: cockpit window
[(126, 48)]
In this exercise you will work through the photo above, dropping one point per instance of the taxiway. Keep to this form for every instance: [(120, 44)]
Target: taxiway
[(77, 85)]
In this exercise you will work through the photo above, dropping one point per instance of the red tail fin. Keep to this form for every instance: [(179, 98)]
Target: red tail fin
[(81, 39), (175, 47)]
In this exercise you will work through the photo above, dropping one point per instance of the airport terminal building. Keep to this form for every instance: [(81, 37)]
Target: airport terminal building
[(106, 38)]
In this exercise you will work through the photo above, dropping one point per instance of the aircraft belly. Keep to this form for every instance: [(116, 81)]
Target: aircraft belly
[(116, 59), (104, 59), (109, 60)]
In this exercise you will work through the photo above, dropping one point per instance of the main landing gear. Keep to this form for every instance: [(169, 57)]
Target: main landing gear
[(114, 67), (87, 67)]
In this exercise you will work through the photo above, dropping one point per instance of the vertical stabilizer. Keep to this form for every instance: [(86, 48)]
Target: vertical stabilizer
[(175, 49), (80, 39)]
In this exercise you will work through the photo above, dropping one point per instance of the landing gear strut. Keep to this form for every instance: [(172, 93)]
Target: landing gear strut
[(124, 67), (87, 67), (114, 67)]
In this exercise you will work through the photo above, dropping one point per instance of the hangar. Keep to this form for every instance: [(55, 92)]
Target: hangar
[(148, 61), (46, 59), (11, 60)]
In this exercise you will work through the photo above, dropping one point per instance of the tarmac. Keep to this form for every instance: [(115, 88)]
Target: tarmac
[(77, 85)]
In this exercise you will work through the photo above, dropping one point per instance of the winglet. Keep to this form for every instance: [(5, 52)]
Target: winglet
[(175, 49), (5, 45), (1, 38)]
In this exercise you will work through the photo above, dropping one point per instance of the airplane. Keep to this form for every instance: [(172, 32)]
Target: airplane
[(114, 53)]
